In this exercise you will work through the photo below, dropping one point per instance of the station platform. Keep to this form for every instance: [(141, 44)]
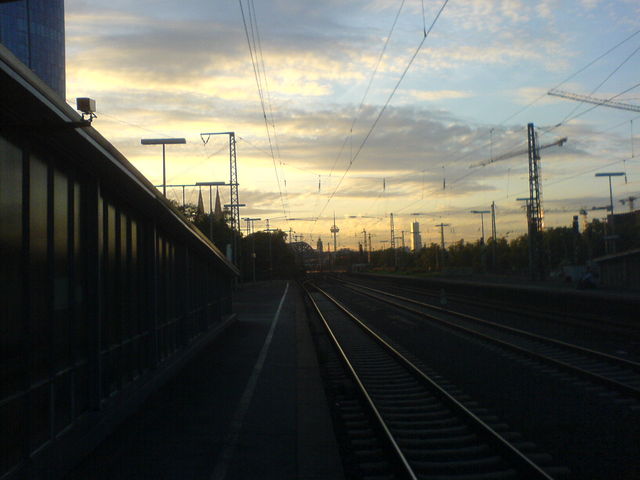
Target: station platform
[(249, 405)]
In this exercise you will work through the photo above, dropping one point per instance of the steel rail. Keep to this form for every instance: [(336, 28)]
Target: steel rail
[(620, 328), (625, 388), (505, 447), (577, 348), (404, 463)]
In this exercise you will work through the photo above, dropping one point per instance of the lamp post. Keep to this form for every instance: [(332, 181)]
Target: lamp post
[(481, 212), (210, 185), (163, 142), (610, 240), (530, 239), (250, 225)]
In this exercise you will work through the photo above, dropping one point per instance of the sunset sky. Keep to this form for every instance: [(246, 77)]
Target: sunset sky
[(176, 69)]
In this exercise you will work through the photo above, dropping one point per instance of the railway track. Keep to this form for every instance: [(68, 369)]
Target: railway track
[(430, 433), (593, 322), (618, 374)]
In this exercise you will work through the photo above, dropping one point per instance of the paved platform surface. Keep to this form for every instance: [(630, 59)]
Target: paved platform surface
[(250, 405)]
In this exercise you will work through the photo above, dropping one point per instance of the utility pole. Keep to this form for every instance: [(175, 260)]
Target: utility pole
[(610, 240), (494, 234), (393, 232), (393, 242), (366, 249), (442, 245), (481, 212), (269, 230)]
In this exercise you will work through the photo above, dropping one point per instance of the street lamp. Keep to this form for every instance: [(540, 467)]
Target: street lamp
[(481, 212), (610, 174), (163, 142), (610, 240), (210, 185), (253, 244)]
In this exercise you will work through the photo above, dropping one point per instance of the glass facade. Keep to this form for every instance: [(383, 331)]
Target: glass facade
[(104, 290), (34, 31), (94, 296)]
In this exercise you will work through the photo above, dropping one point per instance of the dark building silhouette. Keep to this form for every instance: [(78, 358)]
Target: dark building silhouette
[(34, 32), (105, 289)]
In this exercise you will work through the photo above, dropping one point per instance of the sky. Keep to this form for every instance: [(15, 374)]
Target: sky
[(349, 109)]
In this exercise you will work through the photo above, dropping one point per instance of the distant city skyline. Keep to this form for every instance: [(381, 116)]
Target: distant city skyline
[(343, 140)]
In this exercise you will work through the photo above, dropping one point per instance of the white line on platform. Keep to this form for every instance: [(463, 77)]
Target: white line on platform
[(231, 440)]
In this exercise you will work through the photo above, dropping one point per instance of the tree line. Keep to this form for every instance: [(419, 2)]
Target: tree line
[(560, 246), (261, 255), (265, 255)]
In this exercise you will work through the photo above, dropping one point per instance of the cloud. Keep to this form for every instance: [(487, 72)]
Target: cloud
[(167, 71), (439, 94)]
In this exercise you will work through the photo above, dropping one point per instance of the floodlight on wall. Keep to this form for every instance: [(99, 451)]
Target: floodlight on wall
[(86, 106)]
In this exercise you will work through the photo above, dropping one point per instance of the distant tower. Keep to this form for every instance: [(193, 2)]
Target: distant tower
[(416, 239), (34, 32), (319, 245), (393, 232), (535, 215), (334, 231), (200, 209), (217, 211)]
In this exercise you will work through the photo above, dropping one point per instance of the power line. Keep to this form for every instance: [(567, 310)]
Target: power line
[(526, 107), (268, 94), (256, 71), (366, 92), (622, 42), (584, 112), (386, 104), (599, 85)]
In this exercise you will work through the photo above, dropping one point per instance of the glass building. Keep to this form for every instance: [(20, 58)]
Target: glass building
[(105, 289), (34, 32)]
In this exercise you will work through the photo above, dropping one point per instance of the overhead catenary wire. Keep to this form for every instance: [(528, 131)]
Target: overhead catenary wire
[(256, 71), (573, 75), (570, 116), (584, 112), (258, 42), (557, 125), (385, 105), (543, 95), (349, 136)]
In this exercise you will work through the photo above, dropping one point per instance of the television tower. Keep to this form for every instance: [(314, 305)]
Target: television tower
[(334, 231)]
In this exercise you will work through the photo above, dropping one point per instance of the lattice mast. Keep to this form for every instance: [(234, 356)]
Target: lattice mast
[(535, 214), (393, 232), (233, 181)]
